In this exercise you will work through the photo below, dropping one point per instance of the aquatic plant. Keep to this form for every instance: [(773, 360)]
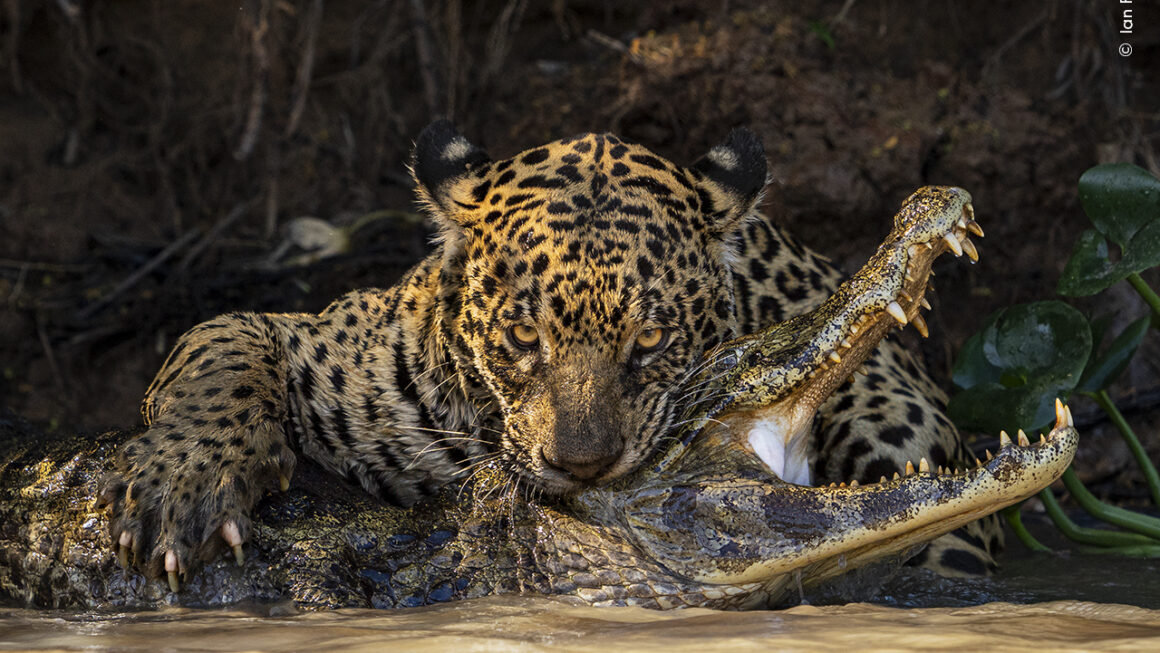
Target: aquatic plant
[(1025, 356)]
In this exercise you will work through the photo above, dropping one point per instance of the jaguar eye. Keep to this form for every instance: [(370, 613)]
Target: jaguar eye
[(524, 336), (652, 339)]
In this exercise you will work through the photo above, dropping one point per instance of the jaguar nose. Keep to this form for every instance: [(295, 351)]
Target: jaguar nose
[(582, 466)]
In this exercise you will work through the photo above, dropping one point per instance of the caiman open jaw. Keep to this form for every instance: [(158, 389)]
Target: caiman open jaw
[(773, 382), (711, 511)]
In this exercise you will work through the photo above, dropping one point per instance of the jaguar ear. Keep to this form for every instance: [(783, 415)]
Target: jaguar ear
[(441, 163), (733, 174)]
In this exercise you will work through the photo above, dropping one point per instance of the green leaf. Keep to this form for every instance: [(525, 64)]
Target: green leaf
[(819, 28), (992, 407), (1012, 371), (972, 367), (1102, 370), (1090, 270), (1100, 326), (1120, 199), (1123, 202)]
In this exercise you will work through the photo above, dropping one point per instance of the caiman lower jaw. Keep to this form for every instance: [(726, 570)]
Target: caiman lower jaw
[(822, 532)]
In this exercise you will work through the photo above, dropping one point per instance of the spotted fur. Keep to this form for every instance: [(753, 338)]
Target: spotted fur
[(521, 339)]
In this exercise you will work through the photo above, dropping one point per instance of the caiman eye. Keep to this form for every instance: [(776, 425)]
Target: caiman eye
[(524, 336), (652, 339)]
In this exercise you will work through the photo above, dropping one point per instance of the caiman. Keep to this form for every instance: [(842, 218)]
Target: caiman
[(707, 521)]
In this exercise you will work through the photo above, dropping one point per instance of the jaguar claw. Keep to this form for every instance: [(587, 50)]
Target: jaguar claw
[(124, 545), (232, 535), (171, 571)]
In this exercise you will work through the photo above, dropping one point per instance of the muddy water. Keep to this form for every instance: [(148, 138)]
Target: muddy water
[(525, 624), (1041, 603)]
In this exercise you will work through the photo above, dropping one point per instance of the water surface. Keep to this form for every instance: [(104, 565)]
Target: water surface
[(1038, 602), (538, 624)]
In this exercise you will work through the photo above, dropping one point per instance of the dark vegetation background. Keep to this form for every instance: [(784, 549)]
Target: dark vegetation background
[(156, 156)]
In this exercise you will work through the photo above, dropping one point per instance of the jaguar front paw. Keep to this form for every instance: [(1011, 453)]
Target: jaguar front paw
[(180, 495)]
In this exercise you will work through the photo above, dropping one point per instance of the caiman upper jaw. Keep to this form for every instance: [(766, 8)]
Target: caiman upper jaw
[(776, 379)]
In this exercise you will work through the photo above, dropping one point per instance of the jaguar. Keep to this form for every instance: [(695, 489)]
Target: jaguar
[(574, 290)]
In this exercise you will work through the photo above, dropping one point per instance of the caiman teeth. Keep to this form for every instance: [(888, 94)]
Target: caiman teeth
[(925, 304), (1063, 420), (896, 312), (835, 357), (953, 244), (969, 248), (1062, 414), (920, 325), (863, 371)]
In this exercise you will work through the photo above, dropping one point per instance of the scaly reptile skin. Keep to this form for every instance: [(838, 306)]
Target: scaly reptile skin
[(705, 523)]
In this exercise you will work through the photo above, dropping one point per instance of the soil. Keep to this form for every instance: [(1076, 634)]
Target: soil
[(157, 157)]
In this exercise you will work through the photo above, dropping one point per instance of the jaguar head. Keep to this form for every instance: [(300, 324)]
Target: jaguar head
[(583, 281)]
